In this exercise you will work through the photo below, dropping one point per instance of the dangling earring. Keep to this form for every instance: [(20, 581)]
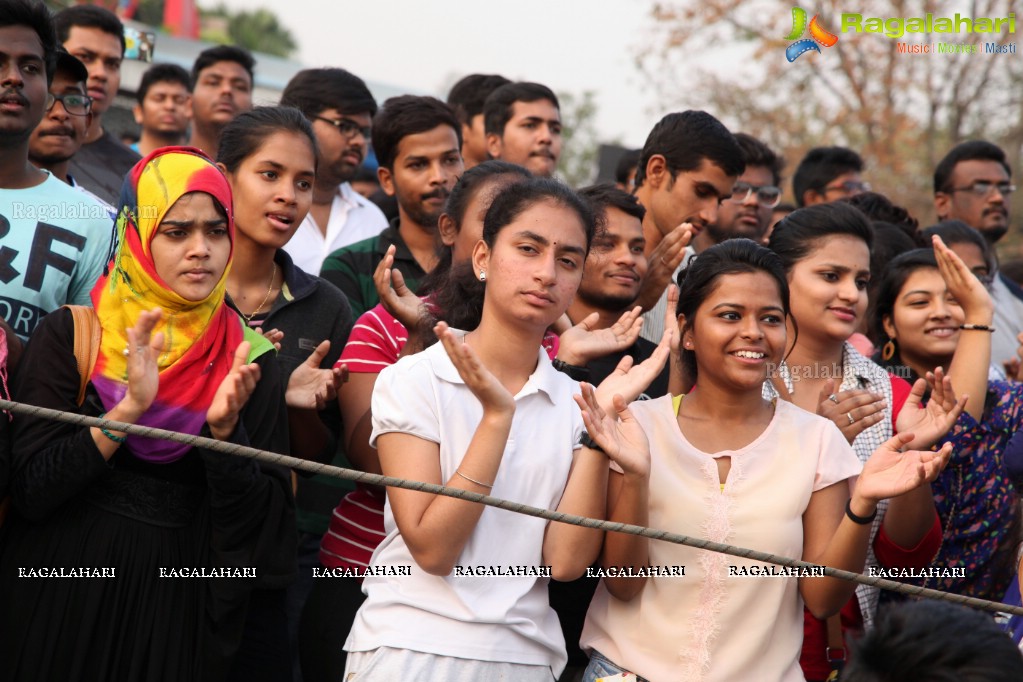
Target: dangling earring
[(483, 276), (888, 350)]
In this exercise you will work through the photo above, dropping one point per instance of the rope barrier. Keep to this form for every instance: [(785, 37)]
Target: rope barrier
[(516, 507)]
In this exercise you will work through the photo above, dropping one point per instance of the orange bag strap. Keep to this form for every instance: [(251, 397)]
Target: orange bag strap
[(87, 337)]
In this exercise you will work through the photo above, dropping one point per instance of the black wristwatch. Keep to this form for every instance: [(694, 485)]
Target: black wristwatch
[(573, 371), (588, 442)]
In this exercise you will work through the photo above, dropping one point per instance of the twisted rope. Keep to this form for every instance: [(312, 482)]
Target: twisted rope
[(516, 507)]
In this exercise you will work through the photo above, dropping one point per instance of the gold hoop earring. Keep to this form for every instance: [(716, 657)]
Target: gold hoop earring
[(888, 350)]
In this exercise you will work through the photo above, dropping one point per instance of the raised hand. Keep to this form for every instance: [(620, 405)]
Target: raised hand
[(963, 285), (395, 296), (232, 394), (310, 387), (143, 371), (621, 437), (671, 321), (930, 423), (853, 411), (664, 260), (583, 343), (630, 381), (484, 385), (890, 473)]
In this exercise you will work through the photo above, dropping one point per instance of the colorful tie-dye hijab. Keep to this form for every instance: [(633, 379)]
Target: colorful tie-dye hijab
[(200, 337)]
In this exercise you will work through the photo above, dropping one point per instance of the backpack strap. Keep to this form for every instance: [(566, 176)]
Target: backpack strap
[(87, 337)]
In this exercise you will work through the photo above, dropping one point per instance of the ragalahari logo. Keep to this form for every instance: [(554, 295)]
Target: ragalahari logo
[(817, 35)]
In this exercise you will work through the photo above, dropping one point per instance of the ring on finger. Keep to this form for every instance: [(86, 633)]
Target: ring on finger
[(833, 398), (849, 415)]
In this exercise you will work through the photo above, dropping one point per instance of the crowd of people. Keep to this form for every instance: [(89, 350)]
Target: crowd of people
[(823, 380)]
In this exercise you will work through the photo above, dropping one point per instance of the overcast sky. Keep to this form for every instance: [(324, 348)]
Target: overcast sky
[(425, 45)]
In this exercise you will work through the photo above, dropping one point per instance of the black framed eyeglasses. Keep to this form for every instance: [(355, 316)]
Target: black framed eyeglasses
[(76, 105), (983, 188), (768, 196), (347, 127)]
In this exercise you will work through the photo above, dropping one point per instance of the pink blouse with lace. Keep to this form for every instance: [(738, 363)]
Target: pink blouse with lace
[(710, 624)]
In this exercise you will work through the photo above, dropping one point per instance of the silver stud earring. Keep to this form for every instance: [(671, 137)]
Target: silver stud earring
[(483, 276)]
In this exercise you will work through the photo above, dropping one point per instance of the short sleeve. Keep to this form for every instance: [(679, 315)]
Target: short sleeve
[(836, 460), (375, 342), (405, 401), (900, 392)]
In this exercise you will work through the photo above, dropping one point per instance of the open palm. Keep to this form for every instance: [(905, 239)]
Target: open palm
[(890, 473), (929, 423), (619, 436)]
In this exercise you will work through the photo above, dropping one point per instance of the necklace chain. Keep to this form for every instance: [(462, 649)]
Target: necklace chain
[(273, 274)]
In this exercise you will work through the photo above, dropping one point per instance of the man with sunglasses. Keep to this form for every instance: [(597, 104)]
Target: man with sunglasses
[(747, 213), (340, 108), (66, 122), (828, 174), (973, 183)]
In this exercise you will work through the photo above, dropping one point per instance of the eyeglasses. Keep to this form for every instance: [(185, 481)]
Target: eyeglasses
[(982, 188), (768, 196), (849, 186), (347, 127), (76, 105)]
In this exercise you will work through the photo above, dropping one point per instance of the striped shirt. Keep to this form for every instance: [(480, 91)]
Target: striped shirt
[(351, 269)]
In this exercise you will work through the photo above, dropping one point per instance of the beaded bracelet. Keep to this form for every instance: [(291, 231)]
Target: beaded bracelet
[(120, 440), (978, 327)]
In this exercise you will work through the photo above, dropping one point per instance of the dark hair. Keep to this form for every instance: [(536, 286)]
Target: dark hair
[(462, 194), (730, 257), (222, 53), (756, 153), (889, 241), (247, 132), (604, 196), (882, 305), (162, 73), (627, 163), (408, 115), (87, 16), (685, 139), (973, 150), (468, 95), (877, 206), (35, 16), (820, 166), (518, 198), (934, 641), (794, 237), (497, 109), (458, 300), (958, 232), (312, 91)]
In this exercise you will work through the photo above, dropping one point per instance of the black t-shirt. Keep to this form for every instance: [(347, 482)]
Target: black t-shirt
[(640, 351), (100, 167)]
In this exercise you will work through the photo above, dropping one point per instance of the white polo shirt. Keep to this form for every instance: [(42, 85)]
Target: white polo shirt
[(487, 618), (353, 218)]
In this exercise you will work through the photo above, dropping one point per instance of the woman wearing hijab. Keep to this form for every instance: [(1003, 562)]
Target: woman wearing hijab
[(143, 518)]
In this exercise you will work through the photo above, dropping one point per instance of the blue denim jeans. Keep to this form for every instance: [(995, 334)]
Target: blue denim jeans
[(602, 667)]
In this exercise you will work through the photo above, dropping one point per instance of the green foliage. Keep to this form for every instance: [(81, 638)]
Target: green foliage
[(580, 143)]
